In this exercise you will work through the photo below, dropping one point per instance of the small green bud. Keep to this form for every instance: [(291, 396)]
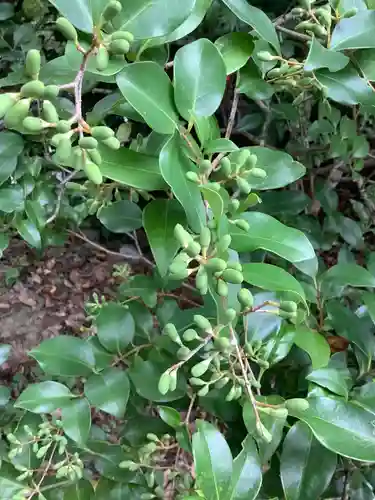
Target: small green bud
[(286, 314), (202, 323), (33, 89), (304, 26), (119, 47), (197, 381), (220, 384), (67, 29), (350, 13), (193, 249), (34, 124), (164, 383), (7, 101), (235, 265), (123, 35), (201, 281), (245, 298), (223, 344), (231, 394), (95, 156), (55, 139), (93, 172), (224, 243), (112, 9), (129, 464), (204, 391), (258, 173), (173, 380), (64, 150), (232, 276), (288, 306), (201, 368), (180, 274), (63, 126), (222, 288), (251, 162), (225, 167), (215, 264), (239, 158), (243, 186), (183, 353), (319, 30), (242, 224), (215, 186), (234, 205), (230, 315), (205, 167), (190, 334), (32, 63), (101, 133), (51, 91), (49, 112), (265, 56), (263, 432), (273, 412), (88, 143), (193, 177), (102, 58), (171, 331), (112, 143), (297, 404), (205, 237)]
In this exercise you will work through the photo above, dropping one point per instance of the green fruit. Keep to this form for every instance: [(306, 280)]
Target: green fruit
[(222, 383), (245, 298), (297, 404), (102, 58), (204, 391), (222, 344), (239, 158), (171, 331), (190, 334), (265, 56), (64, 150), (251, 162), (234, 205), (288, 306), (93, 172), (350, 13), (34, 124), (243, 186), (112, 143), (197, 381), (193, 249), (179, 275), (95, 156), (63, 126), (67, 29), (205, 237), (205, 167), (214, 185), (123, 35), (202, 323), (182, 236), (78, 158), (51, 91), (32, 63), (173, 381), (201, 368), (273, 412), (49, 112), (55, 139), (112, 9), (193, 177), (201, 282), (183, 353), (258, 173), (231, 394), (222, 288), (232, 276), (7, 101), (119, 47), (242, 224), (215, 264), (33, 89), (234, 265), (224, 243), (230, 315), (287, 315), (101, 133), (88, 143), (164, 383), (225, 167)]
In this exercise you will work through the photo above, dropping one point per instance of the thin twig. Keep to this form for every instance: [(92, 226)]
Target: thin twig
[(62, 186), (294, 34)]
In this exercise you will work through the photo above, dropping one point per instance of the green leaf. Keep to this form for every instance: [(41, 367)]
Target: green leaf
[(145, 376), (214, 200), (365, 396), (9, 485), (111, 490), (76, 420), (247, 473), (150, 19), (115, 327), (82, 490), (5, 395), (84, 14), (257, 19), (65, 356), (11, 146), (199, 79), (121, 216), (29, 232), (159, 220), (320, 57), (343, 275), (252, 84), (315, 345), (4, 243), (271, 235), (273, 278), (331, 421), (132, 169), (212, 460), (148, 89), (74, 60), (170, 416), (174, 165), (336, 380), (109, 391), (207, 129), (356, 32), (45, 397), (346, 86), (11, 199), (141, 286), (235, 48), (5, 351), (221, 145), (306, 467), (364, 59)]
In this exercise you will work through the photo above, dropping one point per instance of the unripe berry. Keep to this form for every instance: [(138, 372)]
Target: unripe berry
[(119, 47), (67, 29), (34, 124), (245, 298), (33, 89), (123, 35), (112, 143), (49, 112), (51, 91), (93, 172), (102, 58), (112, 9), (32, 63), (232, 276), (7, 101), (102, 133), (88, 143)]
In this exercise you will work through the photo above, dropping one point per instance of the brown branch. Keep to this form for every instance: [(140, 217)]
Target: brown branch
[(293, 34)]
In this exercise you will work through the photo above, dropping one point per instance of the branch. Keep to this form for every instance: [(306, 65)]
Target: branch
[(294, 34)]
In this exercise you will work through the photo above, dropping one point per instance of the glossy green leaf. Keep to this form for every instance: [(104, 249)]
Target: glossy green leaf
[(4, 243), (253, 85), (148, 89), (109, 391), (82, 490), (9, 485), (221, 145), (257, 19), (66, 356), (74, 60), (369, 301), (207, 129), (274, 279), (121, 216), (5, 351), (364, 59), (141, 286), (235, 48), (199, 79), (336, 380), (84, 14), (306, 467), (342, 275), (355, 32), (247, 473), (5, 395), (170, 416), (174, 165), (111, 490), (115, 327), (29, 232), (273, 236), (320, 57), (11, 199), (346, 86), (11, 146), (331, 421), (44, 397), (214, 201), (213, 475), (76, 420), (132, 169), (159, 220), (146, 19), (365, 396), (315, 345)]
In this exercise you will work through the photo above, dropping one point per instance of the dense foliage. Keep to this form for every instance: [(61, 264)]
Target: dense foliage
[(230, 144)]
